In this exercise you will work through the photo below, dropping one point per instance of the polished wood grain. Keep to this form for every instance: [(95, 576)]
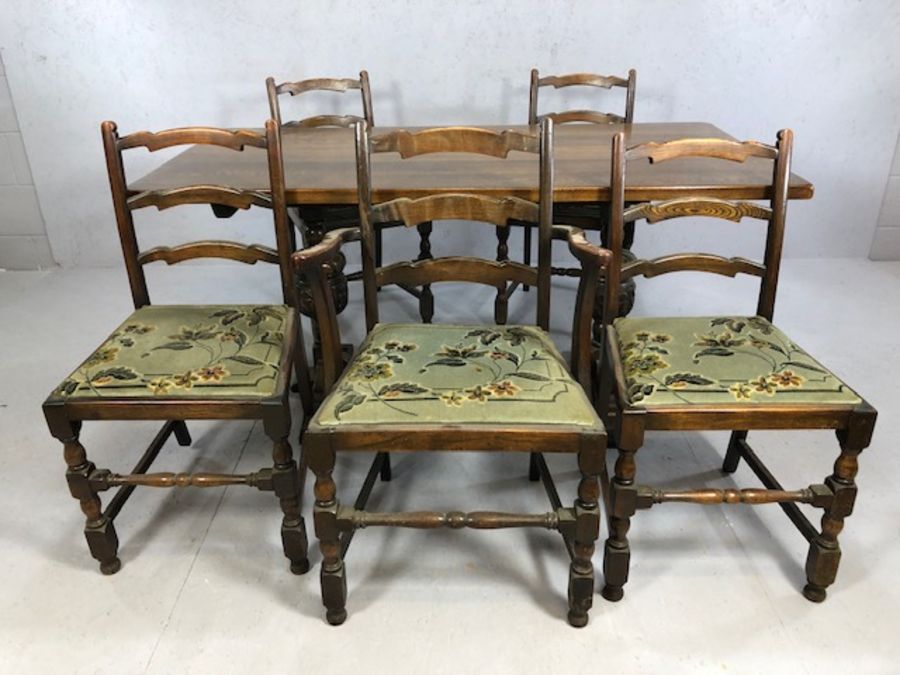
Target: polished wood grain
[(320, 168)]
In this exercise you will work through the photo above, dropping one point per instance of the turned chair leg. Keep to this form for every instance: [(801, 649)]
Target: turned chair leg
[(623, 504), (824, 550), (587, 529), (426, 297), (99, 530), (501, 304), (287, 483), (332, 577), (733, 454)]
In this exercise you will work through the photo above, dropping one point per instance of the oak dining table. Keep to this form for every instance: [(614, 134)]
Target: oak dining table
[(320, 176), (320, 168)]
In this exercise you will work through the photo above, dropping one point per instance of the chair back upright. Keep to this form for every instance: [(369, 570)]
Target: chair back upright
[(496, 211), (338, 85), (582, 80), (700, 203), (126, 201)]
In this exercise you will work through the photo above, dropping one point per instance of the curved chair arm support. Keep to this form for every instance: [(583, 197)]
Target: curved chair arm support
[(593, 259), (313, 262)]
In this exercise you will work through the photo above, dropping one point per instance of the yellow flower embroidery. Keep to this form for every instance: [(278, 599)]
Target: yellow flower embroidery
[(763, 386), (741, 390), (160, 385), (505, 388), (786, 378), (186, 380), (215, 373), (452, 398)]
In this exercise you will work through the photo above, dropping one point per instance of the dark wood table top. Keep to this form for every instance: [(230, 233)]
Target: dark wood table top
[(320, 168)]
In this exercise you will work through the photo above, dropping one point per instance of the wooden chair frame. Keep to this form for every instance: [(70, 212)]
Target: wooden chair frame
[(336, 524), (315, 221), (853, 424), (574, 214), (65, 417)]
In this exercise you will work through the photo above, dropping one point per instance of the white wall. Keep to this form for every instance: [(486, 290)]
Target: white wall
[(886, 241), (23, 238), (830, 70)]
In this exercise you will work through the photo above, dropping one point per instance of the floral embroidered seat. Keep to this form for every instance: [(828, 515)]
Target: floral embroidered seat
[(430, 373), (185, 351), (676, 361)]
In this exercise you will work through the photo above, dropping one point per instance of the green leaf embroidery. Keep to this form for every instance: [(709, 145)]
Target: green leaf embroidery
[(118, 373), (347, 403), (248, 360), (713, 351), (687, 378), (537, 377), (401, 388), (807, 366), (454, 361), (178, 346)]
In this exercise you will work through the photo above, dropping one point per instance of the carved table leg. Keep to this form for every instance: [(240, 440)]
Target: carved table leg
[(623, 504), (501, 304), (333, 578), (287, 485), (426, 297), (99, 530), (587, 529)]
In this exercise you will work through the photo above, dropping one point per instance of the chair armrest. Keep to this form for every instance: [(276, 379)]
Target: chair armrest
[(312, 263), (593, 259)]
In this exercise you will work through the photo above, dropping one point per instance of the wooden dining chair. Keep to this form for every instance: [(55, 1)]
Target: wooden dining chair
[(184, 362), (586, 216), (420, 387), (737, 372), (314, 221)]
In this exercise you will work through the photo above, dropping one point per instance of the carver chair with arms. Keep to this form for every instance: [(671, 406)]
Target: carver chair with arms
[(486, 388), (183, 362), (737, 372)]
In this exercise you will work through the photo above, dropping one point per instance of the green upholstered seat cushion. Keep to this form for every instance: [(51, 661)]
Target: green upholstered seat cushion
[(185, 351), (708, 360), (444, 374)]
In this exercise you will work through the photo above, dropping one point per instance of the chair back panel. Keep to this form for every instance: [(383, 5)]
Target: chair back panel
[(690, 206), (338, 85), (457, 206), (582, 80), (214, 195)]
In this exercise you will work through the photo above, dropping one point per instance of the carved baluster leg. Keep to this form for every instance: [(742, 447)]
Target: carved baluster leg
[(426, 298), (623, 503), (587, 529), (526, 258), (333, 578), (288, 487), (824, 551), (501, 305), (733, 454), (99, 530)]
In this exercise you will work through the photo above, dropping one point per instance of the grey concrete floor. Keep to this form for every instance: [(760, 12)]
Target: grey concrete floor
[(204, 586)]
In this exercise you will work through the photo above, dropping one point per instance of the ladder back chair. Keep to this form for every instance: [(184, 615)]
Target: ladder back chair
[(720, 372), (182, 362), (314, 221), (584, 216), (421, 387)]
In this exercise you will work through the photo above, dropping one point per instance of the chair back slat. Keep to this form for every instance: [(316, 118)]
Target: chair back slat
[(582, 80), (213, 195), (682, 207), (457, 268), (455, 139), (332, 84), (585, 116), (326, 121), (497, 211), (716, 148), (456, 206), (689, 205), (227, 250), (199, 194), (235, 139), (692, 262)]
